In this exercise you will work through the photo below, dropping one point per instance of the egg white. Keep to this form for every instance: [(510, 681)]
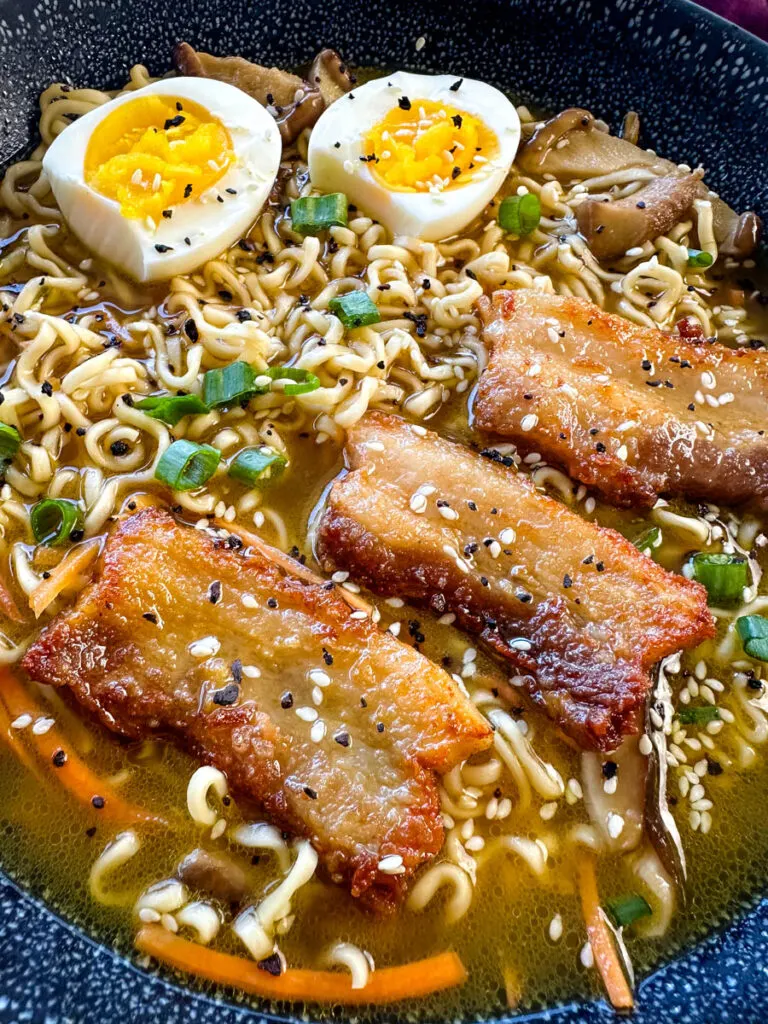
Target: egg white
[(337, 145), (209, 225)]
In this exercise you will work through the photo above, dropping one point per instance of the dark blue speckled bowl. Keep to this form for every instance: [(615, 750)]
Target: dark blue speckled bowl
[(701, 87)]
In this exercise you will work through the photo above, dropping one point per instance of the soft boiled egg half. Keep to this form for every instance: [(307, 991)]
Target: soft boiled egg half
[(160, 180), (423, 154)]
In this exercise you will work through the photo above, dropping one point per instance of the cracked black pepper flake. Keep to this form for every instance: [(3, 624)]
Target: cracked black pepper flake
[(271, 602), (327, 657), (167, 214), (119, 448), (47, 388), (456, 85), (379, 727), (363, 702), (59, 758), (243, 316), (174, 122), (457, 120), (98, 802), (286, 701), (342, 738), (609, 769), (567, 581), (187, 191), (236, 668), (150, 617), (163, 248), (404, 103), (91, 832), (310, 792), (226, 695), (214, 592)]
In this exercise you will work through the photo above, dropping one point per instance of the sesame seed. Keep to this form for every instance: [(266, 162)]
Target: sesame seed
[(207, 647), (307, 714), (556, 928), (392, 865), (615, 825)]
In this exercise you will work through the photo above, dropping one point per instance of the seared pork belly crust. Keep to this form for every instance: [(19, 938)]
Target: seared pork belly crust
[(576, 610), (629, 411), (183, 635)]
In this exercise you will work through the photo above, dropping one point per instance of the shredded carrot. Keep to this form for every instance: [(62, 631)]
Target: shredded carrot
[(11, 738), (601, 940), (74, 774), (8, 606), (387, 985), (63, 576), (289, 564)]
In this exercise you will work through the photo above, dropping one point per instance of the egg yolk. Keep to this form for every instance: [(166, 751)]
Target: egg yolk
[(155, 153), (426, 146)]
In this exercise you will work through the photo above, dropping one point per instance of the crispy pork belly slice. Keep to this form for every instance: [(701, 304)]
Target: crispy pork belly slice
[(627, 410), (332, 727), (575, 608)]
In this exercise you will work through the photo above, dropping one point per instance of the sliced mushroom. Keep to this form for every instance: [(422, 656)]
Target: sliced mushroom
[(331, 76), (215, 874), (295, 103), (659, 823), (736, 234), (612, 228), (625, 805), (573, 147), (630, 127)]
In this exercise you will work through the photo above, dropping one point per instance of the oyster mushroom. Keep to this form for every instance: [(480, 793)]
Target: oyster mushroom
[(574, 147), (215, 874), (296, 104), (612, 228), (331, 76)]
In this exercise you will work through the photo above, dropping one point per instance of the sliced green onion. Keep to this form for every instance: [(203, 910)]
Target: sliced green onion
[(625, 910), (312, 214), (257, 465), (698, 716), (54, 520), (172, 408), (303, 380), (355, 309), (699, 258), (753, 632), (10, 442), (724, 576), (649, 539), (520, 215), (230, 385), (185, 465)]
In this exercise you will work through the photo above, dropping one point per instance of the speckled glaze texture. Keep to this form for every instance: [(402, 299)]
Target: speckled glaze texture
[(701, 87)]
